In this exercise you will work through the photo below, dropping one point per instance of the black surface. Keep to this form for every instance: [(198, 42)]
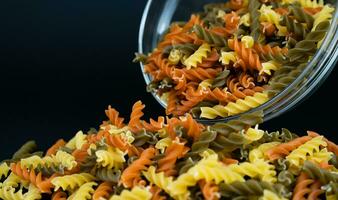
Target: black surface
[(63, 62)]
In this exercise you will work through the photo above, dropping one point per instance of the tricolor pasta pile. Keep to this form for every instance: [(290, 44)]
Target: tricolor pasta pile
[(174, 158), (235, 56)]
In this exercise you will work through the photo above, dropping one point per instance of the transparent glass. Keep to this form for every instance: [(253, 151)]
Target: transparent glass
[(158, 15)]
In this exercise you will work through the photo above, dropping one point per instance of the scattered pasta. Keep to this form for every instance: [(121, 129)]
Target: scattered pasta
[(175, 158)]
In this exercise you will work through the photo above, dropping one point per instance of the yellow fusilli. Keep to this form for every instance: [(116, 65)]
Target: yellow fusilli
[(197, 57), (299, 155), (71, 182), (241, 105), (110, 158), (135, 193)]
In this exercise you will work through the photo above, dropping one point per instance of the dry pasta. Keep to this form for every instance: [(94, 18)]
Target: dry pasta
[(180, 159), (258, 38)]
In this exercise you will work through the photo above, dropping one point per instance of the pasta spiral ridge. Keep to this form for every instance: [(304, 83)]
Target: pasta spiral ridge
[(316, 172), (203, 142), (247, 188), (108, 175), (249, 57), (324, 15), (285, 148), (111, 158), (199, 74), (253, 7), (283, 79), (299, 155), (70, 182), (244, 121), (302, 16), (135, 116), (228, 143), (167, 164), (239, 106), (103, 191), (159, 179), (220, 79), (59, 195), (209, 190), (40, 182), (131, 173), (295, 27), (186, 49), (53, 149), (332, 147), (84, 192), (304, 47), (198, 56), (135, 193), (25, 150), (311, 3), (302, 186), (210, 37), (113, 116)]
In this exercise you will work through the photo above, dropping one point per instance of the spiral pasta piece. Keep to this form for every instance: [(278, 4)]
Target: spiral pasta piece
[(44, 184), (299, 155), (247, 188), (113, 116), (258, 153), (211, 60), (332, 147), (71, 182), (235, 108), (231, 22), (135, 116), (135, 193), (110, 158), (311, 3), (109, 175), (244, 121), (209, 190), (324, 15), (302, 186), (84, 192), (301, 16), (285, 148), (294, 27), (304, 47), (132, 172), (54, 148), (269, 15), (323, 156), (320, 174), (253, 7), (59, 196), (249, 57), (197, 56), (4, 170), (203, 142), (175, 151), (159, 179), (228, 57), (25, 150), (269, 195), (209, 37)]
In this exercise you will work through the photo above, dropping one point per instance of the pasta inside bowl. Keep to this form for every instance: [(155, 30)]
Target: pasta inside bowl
[(222, 59)]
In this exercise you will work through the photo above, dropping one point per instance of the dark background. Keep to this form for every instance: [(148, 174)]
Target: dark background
[(63, 62)]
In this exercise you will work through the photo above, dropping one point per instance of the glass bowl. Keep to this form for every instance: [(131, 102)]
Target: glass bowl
[(159, 14)]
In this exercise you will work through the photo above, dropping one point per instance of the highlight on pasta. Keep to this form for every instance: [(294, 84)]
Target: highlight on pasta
[(174, 158), (235, 56)]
